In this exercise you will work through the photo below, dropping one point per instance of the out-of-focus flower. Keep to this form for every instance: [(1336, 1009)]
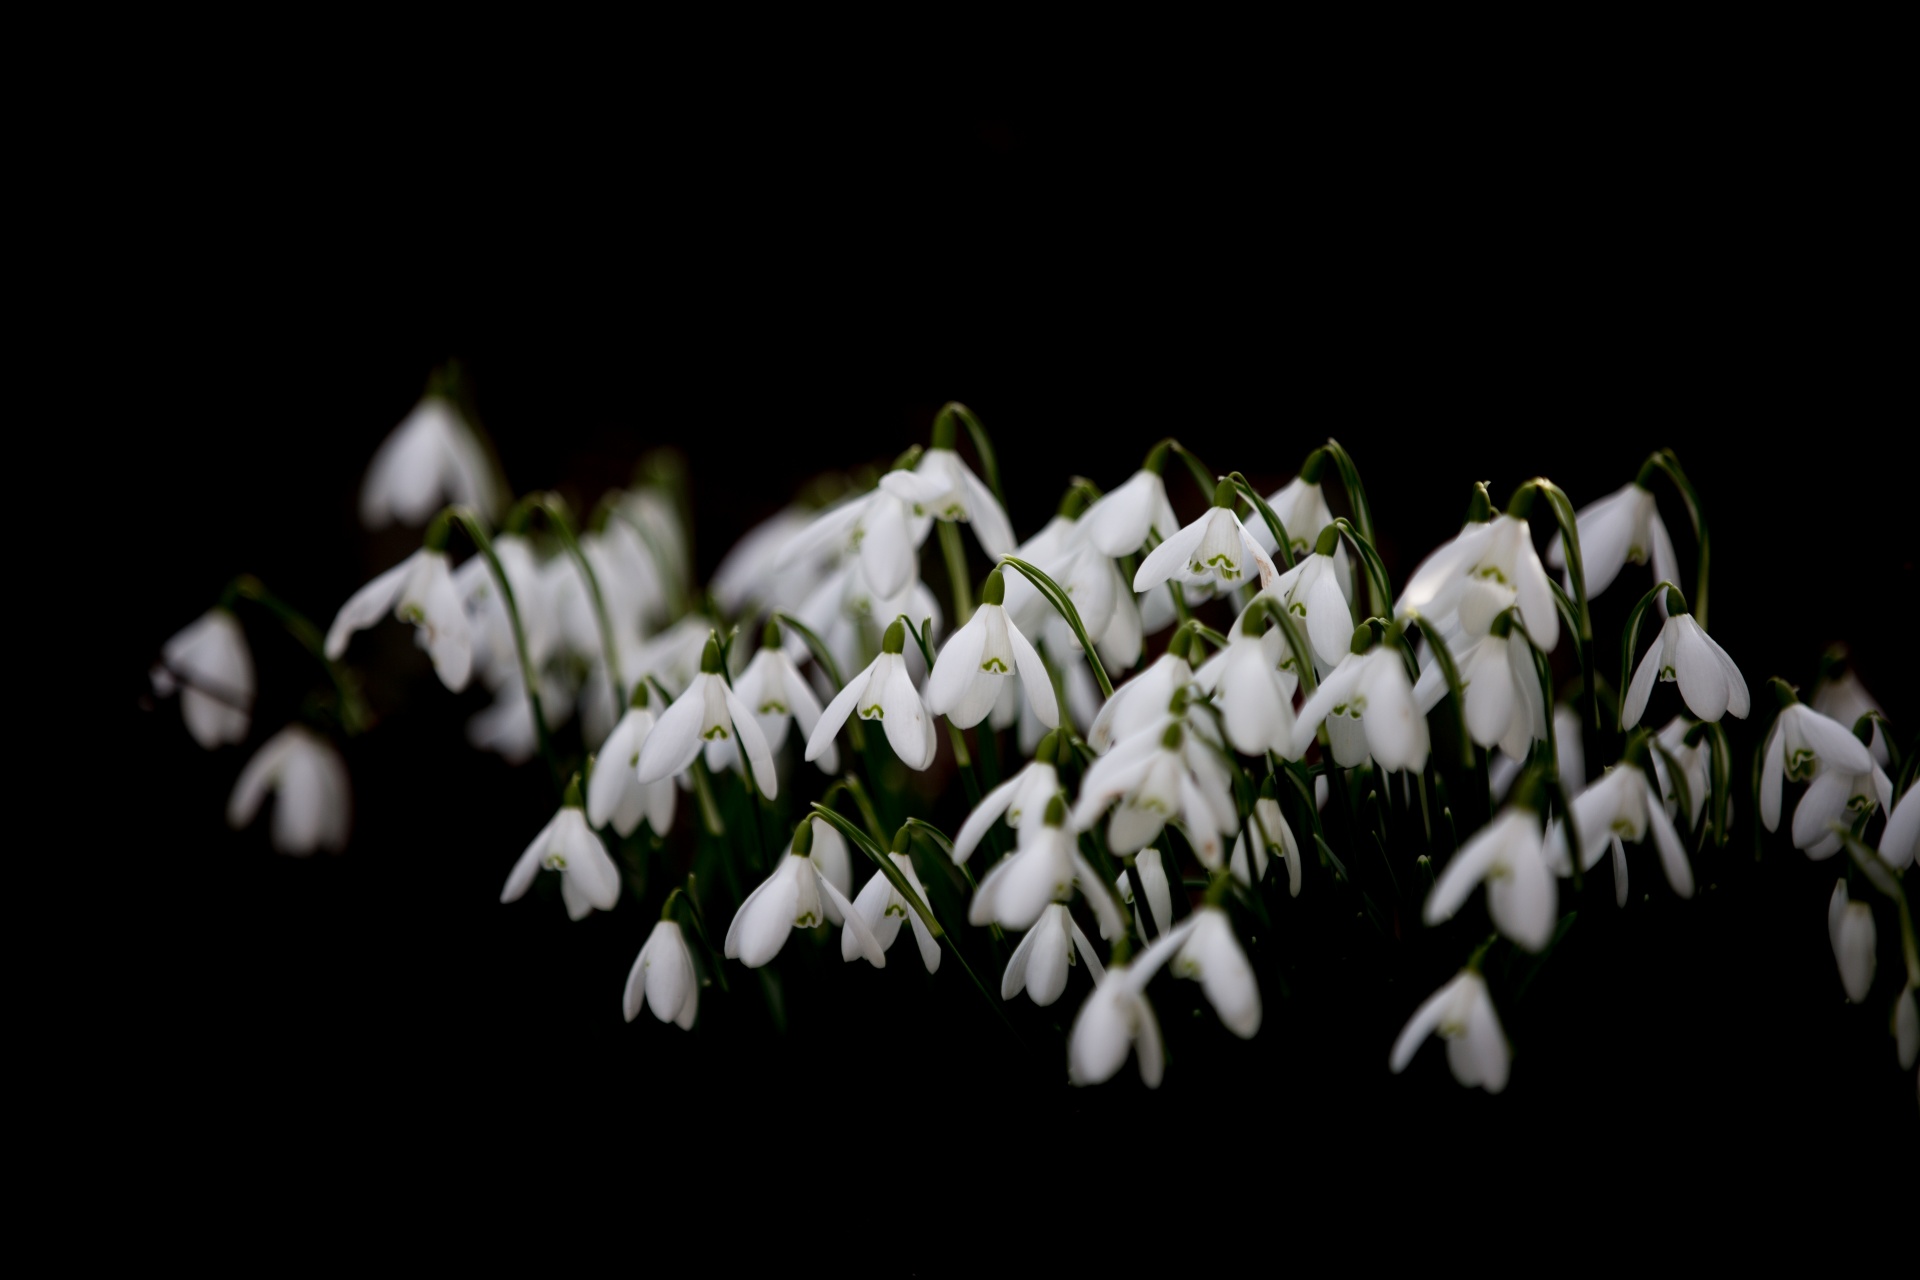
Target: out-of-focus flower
[(1621, 527), (1142, 701), (1620, 806), (1520, 890), (418, 590), (1500, 690), (1117, 523), (1898, 842), (1154, 779), (208, 661), (1025, 793), (1270, 834), (1117, 1017), (615, 794), (1152, 872), (1212, 956), (941, 486), (312, 806), (1043, 868), (1850, 929), (876, 526), (588, 878), (1303, 512), (1488, 567), (1845, 699), (431, 458), (1463, 1014), (663, 976)]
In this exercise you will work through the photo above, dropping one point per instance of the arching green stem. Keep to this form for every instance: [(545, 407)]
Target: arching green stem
[(1668, 463), (353, 712), (1284, 549), (561, 522), (468, 519), (1063, 604)]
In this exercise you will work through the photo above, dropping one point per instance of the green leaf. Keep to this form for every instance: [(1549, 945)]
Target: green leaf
[(1064, 605), (1378, 586), (1274, 527)]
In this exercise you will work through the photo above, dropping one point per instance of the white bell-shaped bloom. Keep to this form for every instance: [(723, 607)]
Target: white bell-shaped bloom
[(1803, 745), (1312, 594), (1709, 683), (1083, 704), (876, 526), (312, 806), (1486, 568), (1836, 797), (1148, 781), (1621, 527), (1118, 522), (1368, 707), (1303, 512), (883, 692), (885, 910), (1851, 930), (431, 458), (1039, 964), (709, 711), (1212, 956), (1506, 855), (1117, 1017), (978, 659), (1152, 870), (1900, 842), (1619, 808), (1845, 699), (1501, 692), (209, 662), (1142, 701), (798, 895), (1270, 835), (615, 794), (1463, 1014), (1025, 794), (844, 611), (588, 878), (496, 657), (663, 976), (941, 486), (1215, 550), (418, 590), (1043, 868), (778, 695), (1253, 682)]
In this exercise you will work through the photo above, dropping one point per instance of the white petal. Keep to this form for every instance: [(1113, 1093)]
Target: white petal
[(855, 923), (1673, 858), (1901, 840), (1703, 680), (1773, 773), (260, 774), (1170, 557), (836, 713), (1642, 687), (1015, 978), (747, 730), (675, 739), (984, 815), (1522, 902), (520, 879), (1468, 867), (1034, 681), (761, 925), (957, 666), (989, 521), (905, 719), (368, 605), (635, 997), (1857, 939), (886, 549), (1421, 1025)]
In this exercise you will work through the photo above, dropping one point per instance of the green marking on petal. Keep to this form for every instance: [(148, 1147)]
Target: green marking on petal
[(874, 712), (994, 665), (715, 734), (773, 708), (556, 862)]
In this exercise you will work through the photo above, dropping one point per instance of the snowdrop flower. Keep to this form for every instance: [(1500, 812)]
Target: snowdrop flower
[(977, 660), (1850, 929), (843, 608), (1845, 699), (1500, 689), (1623, 526), (1142, 701), (1255, 687), (1803, 745), (875, 526), (709, 711), (941, 486), (615, 794), (312, 809), (883, 692), (1898, 842), (755, 572), (1117, 1017), (1215, 550), (1463, 1015), (1025, 793), (1302, 508), (588, 878), (1039, 964), (778, 695), (1152, 873), (1311, 591), (1042, 868), (1696, 763), (1488, 567), (208, 661), (662, 975), (885, 910), (1709, 683), (495, 655), (1269, 834), (798, 895), (1836, 797), (432, 457), (418, 590), (1367, 704), (1118, 523), (1154, 779), (1619, 807), (1212, 956), (1506, 854)]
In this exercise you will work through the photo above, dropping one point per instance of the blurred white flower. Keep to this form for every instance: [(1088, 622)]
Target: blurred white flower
[(1117, 1017), (1898, 843), (1621, 527), (588, 878), (876, 526), (1039, 964), (1025, 794), (1043, 868), (662, 975), (1619, 807), (1142, 701), (1152, 871), (418, 590), (1486, 568), (1212, 956), (615, 794), (1303, 512), (1155, 778), (208, 662), (1500, 690), (1463, 1015), (1270, 834), (1506, 855), (1117, 523), (431, 458), (941, 486), (1844, 699), (312, 806), (1850, 929)]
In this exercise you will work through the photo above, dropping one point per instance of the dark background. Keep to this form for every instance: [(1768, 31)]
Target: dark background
[(1474, 306)]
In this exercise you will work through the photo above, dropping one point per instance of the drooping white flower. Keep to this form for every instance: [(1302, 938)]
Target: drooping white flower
[(615, 794), (1851, 931), (883, 692), (496, 657), (418, 590), (707, 712), (1303, 512), (1506, 855), (588, 878), (1901, 840), (1500, 689), (845, 612), (1149, 780), (885, 910), (1311, 593), (1142, 701), (1836, 797), (663, 976), (1709, 683), (1118, 522), (1488, 567), (312, 806), (1463, 1014), (1619, 807), (1215, 550), (1212, 956), (1621, 527), (1803, 745), (1270, 834), (778, 695), (431, 458), (1152, 872), (876, 526), (1039, 964), (798, 895), (1367, 704), (1117, 1017), (208, 661), (978, 659), (755, 573), (1023, 795), (1844, 699), (1695, 777), (1254, 682), (941, 486), (1043, 868)]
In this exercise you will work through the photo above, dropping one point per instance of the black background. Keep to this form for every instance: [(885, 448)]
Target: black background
[(784, 301)]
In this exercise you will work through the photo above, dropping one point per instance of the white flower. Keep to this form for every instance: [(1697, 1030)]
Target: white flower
[(1487, 568), (663, 974), (1152, 872), (1500, 690), (977, 660), (1042, 868), (942, 487), (312, 805), (1709, 683), (875, 526), (1142, 701), (1463, 1015), (1898, 842), (418, 590), (1803, 745), (1303, 512), (209, 662), (709, 711), (495, 655), (1156, 778), (1039, 964), (1215, 550), (1696, 763), (884, 910), (1117, 1017), (883, 692), (844, 612), (1311, 591), (432, 455), (1836, 797), (1845, 699), (588, 878), (1253, 682), (1619, 807), (1212, 955), (1624, 525), (754, 572), (1506, 854), (615, 794), (778, 695), (1367, 704), (1270, 834), (798, 895), (1025, 794), (1118, 522), (1850, 929)]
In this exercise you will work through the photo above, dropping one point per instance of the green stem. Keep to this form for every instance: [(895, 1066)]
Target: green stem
[(956, 557), (1356, 491), (1668, 462), (1284, 548), (703, 792), (1882, 877), (470, 521), (353, 712), (1379, 587), (562, 525), (1063, 604)]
